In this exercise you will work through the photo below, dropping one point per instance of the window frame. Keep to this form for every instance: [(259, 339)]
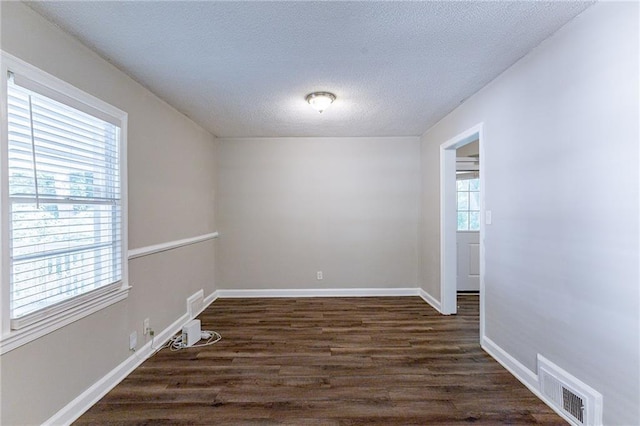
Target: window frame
[(468, 211), (85, 304)]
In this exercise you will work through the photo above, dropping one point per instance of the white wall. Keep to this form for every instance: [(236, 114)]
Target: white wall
[(171, 196), (289, 207), (561, 162)]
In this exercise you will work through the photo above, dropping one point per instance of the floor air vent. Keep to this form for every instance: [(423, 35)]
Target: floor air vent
[(574, 400), (195, 303), (573, 404)]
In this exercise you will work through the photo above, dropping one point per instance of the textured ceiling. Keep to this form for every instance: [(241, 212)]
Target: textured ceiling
[(244, 68)]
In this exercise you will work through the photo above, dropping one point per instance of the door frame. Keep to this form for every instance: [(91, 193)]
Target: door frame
[(448, 222)]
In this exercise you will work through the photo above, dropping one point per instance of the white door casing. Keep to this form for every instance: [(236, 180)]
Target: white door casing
[(448, 252)]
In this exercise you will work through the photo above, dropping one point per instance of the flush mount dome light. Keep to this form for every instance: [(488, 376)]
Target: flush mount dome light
[(320, 100)]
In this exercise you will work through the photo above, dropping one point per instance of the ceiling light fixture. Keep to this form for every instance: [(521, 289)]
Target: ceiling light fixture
[(320, 100)]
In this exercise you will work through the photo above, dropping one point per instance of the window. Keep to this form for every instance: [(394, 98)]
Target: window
[(64, 224), (468, 188)]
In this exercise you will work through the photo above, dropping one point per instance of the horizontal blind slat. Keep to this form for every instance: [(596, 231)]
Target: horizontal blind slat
[(63, 245), (52, 284), (46, 267), (49, 119), (22, 130), (67, 246), (39, 302), (60, 281)]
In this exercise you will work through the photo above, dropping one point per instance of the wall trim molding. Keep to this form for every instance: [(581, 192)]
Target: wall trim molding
[(211, 298), (320, 292), (73, 410), (431, 301), (512, 365), (170, 245)]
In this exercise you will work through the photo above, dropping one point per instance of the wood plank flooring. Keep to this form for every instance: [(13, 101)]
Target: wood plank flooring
[(326, 361)]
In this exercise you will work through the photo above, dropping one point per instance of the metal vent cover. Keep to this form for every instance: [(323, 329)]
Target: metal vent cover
[(573, 404), (574, 400)]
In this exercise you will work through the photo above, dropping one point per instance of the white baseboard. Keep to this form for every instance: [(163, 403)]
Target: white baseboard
[(72, 411), (329, 292), (430, 300), (519, 371), (210, 298), (515, 367)]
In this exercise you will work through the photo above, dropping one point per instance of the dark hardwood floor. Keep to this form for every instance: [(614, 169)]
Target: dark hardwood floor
[(326, 361)]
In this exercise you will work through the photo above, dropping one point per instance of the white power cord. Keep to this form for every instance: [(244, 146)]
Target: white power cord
[(176, 343)]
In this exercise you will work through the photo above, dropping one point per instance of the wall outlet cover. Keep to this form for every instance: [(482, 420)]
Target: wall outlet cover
[(133, 340)]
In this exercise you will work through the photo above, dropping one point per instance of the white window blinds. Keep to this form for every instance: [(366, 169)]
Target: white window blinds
[(65, 213)]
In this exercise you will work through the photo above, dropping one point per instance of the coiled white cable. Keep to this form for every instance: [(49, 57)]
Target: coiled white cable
[(176, 343)]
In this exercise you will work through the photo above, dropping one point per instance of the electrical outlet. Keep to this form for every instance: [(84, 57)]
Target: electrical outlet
[(319, 275), (145, 326), (133, 340)]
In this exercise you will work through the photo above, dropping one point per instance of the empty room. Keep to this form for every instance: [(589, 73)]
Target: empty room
[(320, 212)]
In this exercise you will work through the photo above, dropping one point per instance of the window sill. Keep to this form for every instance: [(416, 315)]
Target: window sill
[(16, 338)]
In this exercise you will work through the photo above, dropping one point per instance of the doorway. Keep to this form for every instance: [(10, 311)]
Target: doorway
[(468, 217), (449, 220)]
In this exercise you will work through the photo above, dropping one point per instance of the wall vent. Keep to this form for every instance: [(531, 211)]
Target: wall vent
[(573, 404), (574, 400), (195, 303)]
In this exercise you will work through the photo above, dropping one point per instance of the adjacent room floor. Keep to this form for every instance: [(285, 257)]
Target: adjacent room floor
[(329, 361)]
